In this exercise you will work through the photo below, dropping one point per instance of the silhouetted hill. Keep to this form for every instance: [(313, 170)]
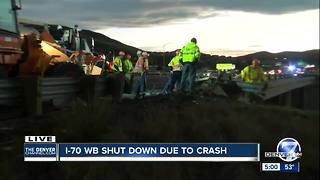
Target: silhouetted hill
[(310, 57), (104, 44)]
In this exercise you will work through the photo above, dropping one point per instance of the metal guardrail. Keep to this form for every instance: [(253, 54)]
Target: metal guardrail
[(59, 88), (204, 76), (156, 81), (273, 77), (276, 88), (101, 86), (10, 91), (31, 92), (285, 85)]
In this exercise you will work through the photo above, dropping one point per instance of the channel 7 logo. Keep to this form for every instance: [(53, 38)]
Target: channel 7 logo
[(288, 150)]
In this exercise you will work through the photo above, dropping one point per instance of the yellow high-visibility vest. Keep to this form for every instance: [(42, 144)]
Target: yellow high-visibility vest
[(117, 62), (175, 63), (190, 52), (252, 74)]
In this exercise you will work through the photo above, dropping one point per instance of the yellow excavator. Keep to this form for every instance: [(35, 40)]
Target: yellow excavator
[(33, 53)]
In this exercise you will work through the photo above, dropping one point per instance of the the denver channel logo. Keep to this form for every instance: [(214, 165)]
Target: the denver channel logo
[(40, 148), (288, 150)]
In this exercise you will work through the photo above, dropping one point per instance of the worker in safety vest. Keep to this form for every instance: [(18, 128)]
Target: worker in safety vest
[(119, 76), (253, 74), (142, 65), (117, 65), (190, 55), (175, 75), (127, 69), (139, 71)]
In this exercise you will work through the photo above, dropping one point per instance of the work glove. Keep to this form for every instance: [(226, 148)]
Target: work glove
[(181, 61), (196, 61)]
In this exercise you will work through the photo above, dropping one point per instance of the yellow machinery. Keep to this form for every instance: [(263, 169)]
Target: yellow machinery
[(36, 54)]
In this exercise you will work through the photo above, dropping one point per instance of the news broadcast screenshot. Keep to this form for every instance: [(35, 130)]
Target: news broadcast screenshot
[(159, 89)]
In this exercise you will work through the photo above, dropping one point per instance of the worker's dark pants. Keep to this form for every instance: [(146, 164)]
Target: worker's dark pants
[(128, 83), (175, 80), (118, 85), (166, 86), (139, 84), (188, 77)]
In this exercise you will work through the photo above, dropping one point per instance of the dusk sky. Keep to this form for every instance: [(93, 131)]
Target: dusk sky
[(228, 27)]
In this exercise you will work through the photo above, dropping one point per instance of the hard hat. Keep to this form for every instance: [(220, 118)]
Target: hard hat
[(145, 54), (103, 57), (255, 60), (121, 53), (139, 53)]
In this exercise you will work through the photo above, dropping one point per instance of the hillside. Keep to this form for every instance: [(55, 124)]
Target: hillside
[(310, 57)]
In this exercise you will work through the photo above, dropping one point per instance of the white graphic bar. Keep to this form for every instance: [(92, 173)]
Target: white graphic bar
[(40, 159)]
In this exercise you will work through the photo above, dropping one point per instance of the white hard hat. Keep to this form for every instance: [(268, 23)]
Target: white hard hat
[(145, 54), (121, 53), (139, 53)]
